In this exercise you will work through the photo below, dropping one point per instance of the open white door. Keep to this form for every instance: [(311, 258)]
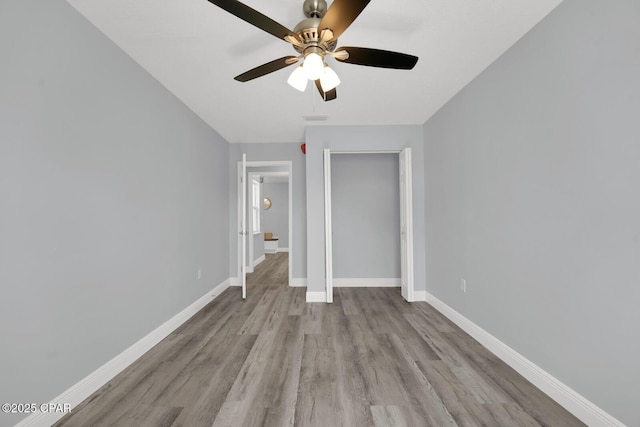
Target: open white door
[(328, 241), (406, 226), (243, 226)]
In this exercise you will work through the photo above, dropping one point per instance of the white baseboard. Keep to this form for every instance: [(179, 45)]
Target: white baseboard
[(235, 281), (91, 383), (258, 260), (299, 282), (316, 296), (366, 283), (578, 405), (419, 295), (282, 250), (250, 268)]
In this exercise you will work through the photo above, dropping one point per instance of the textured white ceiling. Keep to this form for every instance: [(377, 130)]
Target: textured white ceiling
[(195, 49)]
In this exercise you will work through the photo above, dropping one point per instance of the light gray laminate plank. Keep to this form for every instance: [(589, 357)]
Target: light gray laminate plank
[(368, 359), (349, 301), (389, 416), (269, 377), (420, 394), (221, 355), (459, 401), (499, 414), (298, 301), (224, 304), (325, 394), (148, 416), (393, 301), (365, 358), (259, 315), (207, 399), (274, 270), (544, 410), (276, 391), (312, 318), (277, 314), (439, 321), (133, 383), (478, 383)]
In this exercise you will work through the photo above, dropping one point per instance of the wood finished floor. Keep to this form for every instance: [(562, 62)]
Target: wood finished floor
[(368, 359)]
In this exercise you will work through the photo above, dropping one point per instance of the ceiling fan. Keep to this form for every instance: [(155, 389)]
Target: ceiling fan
[(315, 39)]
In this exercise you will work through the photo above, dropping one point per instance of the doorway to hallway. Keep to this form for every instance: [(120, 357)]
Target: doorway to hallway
[(272, 272)]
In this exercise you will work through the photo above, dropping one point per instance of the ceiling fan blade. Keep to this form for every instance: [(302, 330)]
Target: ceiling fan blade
[(326, 96), (377, 58), (267, 68), (255, 18), (340, 15)]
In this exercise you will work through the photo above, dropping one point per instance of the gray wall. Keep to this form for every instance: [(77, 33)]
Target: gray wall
[(532, 176), (358, 138), (365, 208), (276, 218), (272, 152), (110, 194)]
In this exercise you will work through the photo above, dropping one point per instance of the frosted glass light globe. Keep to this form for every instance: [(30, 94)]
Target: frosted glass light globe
[(298, 79), (313, 66)]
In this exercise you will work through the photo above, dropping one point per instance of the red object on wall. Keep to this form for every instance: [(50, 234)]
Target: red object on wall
[(303, 147)]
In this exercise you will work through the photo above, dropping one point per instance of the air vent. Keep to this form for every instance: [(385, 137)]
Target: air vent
[(315, 118)]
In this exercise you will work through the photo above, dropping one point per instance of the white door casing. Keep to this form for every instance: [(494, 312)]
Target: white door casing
[(243, 167), (406, 226), (243, 226), (328, 227), (406, 223)]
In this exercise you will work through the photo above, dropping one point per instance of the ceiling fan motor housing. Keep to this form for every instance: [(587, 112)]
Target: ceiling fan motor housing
[(314, 8), (309, 35)]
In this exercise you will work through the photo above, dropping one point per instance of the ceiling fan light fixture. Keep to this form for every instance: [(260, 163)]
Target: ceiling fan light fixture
[(314, 38), (298, 79), (329, 79), (313, 66)]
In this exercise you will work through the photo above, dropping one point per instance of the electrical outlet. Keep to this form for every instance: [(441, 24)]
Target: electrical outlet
[(199, 273), (463, 285)]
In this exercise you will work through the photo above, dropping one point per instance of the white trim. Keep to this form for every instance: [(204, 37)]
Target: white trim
[(290, 242), (418, 295), (282, 250), (317, 296), (243, 227), (578, 405), (258, 261), (259, 163), (406, 223), (299, 282), (289, 165), (78, 392), (251, 268), (366, 282), (366, 152), (235, 281), (252, 178), (328, 228)]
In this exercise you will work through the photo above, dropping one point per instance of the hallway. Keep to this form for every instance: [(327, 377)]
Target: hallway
[(274, 270)]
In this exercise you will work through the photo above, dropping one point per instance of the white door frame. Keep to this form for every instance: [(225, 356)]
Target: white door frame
[(256, 164), (328, 227), (251, 261), (242, 195), (406, 210), (406, 226)]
